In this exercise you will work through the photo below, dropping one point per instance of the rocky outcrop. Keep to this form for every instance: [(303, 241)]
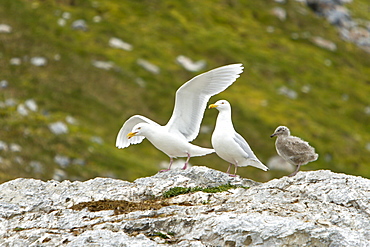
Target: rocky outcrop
[(317, 208), (352, 30)]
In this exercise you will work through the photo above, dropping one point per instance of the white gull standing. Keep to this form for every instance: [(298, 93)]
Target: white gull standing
[(230, 145), (190, 103), (293, 149)]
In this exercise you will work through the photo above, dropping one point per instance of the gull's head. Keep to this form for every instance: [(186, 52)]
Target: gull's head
[(281, 131), (137, 130), (220, 105)]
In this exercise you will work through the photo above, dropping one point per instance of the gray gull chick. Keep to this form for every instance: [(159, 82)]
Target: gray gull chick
[(230, 145), (293, 149), (190, 103)]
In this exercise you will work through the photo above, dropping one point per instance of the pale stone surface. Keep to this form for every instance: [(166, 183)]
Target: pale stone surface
[(58, 128), (148, 66), (120, 44), (317, 208), (189, 64)]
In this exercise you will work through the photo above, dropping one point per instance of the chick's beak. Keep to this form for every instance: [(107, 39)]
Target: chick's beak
[(212, 106), (273, 135), (131, 134)]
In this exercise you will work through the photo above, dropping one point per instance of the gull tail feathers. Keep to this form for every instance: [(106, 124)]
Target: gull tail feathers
[(199, 151), (255, 163)]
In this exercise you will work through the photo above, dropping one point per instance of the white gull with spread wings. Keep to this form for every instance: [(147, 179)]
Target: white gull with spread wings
[(190, 103)]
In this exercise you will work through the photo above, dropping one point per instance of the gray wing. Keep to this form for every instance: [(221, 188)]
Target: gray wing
[(251, 158), (244, 145), (296, 150), (296, 146), (192, 97), (122, 141)]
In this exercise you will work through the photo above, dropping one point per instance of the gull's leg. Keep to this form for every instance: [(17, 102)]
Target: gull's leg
[(169, 167), (186, 162), (236, 168), (228, 169), (295, 172)]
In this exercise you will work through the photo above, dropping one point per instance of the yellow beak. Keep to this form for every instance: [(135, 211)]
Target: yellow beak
[(212, 106), (131, 134)]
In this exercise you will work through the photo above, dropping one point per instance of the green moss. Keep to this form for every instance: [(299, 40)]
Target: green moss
[(182, 190), (18, 229), (161, 235)]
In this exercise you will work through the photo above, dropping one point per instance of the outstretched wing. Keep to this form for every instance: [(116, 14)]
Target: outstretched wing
[(192, 97), (122, 141)]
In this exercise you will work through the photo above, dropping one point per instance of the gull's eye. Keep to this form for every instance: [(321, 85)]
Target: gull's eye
[(139, 128)]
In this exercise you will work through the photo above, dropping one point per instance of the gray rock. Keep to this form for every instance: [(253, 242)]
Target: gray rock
[(61, 22), (290, 93), (22, 110), (31, 104), (57, 57), (15, 147), (323, 43), (71, 120), (349, 29), (367, 110), (18, 159), (97, 19), (141, 82), (120, 44), (306, 88), (4, 28), (79, 25), (10, 102), (3, 146), (78, 161), (280, 13), (148, 66), (270, 29), (317, 208), (59, 175), (36, 166), (62, 161), (189, 64), (39, 61), (103, 65), (97, 139), (58, 128), (4, 84), (15, 61), (66, 15)]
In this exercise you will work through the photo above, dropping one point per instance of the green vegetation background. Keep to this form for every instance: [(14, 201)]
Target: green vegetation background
[(220, 32)]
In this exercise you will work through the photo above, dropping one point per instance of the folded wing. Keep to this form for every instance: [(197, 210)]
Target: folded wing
[(296, 146), (252, 160)]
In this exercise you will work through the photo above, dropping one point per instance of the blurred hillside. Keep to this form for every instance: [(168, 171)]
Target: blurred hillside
[(73, 71)]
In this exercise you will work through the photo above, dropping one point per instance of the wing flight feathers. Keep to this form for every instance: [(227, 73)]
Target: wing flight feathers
[(122, 141), (192, 97)]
